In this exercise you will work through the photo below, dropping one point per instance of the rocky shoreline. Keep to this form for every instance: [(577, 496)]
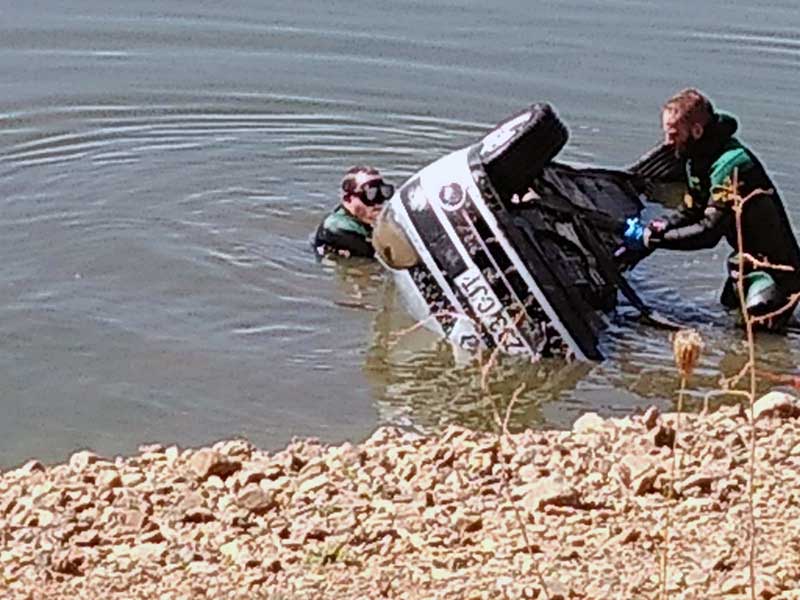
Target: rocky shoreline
[(538, 514)]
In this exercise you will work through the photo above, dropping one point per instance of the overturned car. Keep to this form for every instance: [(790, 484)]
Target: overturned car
[(499, 246)]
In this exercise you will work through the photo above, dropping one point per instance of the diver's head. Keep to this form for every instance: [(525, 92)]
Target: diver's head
[(684, 119), (364, 192)]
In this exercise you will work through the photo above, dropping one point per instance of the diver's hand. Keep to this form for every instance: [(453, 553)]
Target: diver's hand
[(647, 236), (633, 236), (634, 244), (653, 233)]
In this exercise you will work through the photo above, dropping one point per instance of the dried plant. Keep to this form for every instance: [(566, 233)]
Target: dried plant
[(687, 345), (738, 203), (686, 348), (504, 435), (396, 336)]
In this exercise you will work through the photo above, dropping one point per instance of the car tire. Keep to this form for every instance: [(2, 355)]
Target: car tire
[(515, 152)]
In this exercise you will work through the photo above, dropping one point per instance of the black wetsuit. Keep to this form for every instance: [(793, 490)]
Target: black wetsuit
[(707, 214), (340, 233)]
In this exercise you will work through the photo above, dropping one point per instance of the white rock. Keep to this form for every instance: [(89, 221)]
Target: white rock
[(777, 404), (550, 491), (589, 421), (80, 460)]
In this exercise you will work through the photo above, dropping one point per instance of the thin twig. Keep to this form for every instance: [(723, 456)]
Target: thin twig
[(732, 192), (749, 322), (781, 378), (486, 369), (419, 324), (503, 433), (524, 530), (671, 494), (713, 393), (790, 303), (514, 398), (764, 264), (730, 382)]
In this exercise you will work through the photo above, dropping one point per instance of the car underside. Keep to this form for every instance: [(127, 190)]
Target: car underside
[(499, 246)]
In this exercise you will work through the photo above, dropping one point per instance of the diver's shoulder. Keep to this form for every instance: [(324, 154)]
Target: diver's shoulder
[(734, 156), (339, 220)]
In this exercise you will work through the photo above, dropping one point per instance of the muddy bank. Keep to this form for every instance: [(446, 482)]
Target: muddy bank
[(575, 514)]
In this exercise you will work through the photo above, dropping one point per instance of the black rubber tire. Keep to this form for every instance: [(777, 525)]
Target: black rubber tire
[(515, 152)]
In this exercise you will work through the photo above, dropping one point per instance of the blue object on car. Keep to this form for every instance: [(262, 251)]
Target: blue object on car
[(633, 236)]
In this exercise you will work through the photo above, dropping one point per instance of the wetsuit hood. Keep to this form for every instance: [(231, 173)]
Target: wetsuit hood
[(715, 135), (726, 123)]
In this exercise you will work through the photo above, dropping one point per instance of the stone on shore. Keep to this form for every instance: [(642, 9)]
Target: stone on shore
[(463, 514), (207, 462), (777, 404)]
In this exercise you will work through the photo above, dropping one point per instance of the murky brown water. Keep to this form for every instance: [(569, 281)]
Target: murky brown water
[(163, 164)]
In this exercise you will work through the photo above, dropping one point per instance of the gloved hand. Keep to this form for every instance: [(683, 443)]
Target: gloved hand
[(654, 232), (635, 234)]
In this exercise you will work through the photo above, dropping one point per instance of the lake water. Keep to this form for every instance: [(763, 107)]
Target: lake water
[(162, 165)]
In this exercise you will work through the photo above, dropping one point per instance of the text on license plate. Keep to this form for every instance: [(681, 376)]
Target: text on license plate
[(491, 312)]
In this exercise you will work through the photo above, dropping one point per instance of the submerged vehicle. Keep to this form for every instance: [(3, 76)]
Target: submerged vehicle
[(497, 245)]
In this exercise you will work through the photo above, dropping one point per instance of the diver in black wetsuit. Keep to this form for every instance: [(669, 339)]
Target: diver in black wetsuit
[(714, 158), (347, 231)]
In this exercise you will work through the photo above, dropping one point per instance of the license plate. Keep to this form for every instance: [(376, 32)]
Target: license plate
[(491, 312)]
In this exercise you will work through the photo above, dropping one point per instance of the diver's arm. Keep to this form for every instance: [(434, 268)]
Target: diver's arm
[(679, 219), (687, 214), (703, 233), (660, 164)]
